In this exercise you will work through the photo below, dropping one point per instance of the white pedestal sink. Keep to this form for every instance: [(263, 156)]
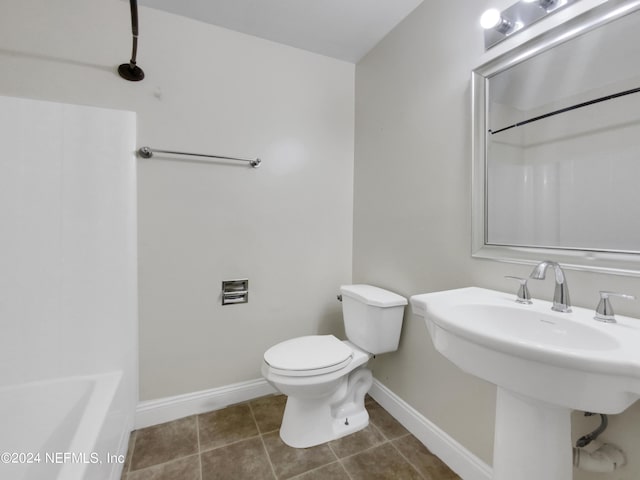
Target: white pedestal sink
[(544, 363)]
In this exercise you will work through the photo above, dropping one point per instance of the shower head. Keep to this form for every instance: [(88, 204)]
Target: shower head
[(130, 71)]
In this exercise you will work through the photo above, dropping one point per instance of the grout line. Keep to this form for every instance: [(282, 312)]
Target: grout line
[(197, 452), (253, 417), (264, 446), (340, 461), (300, 475), (199, 448), (155, 465), (332, 450), (229, 444), (367, 449), (384, 442), (406, 459), (345, 470), (377, 429), (273, 470)]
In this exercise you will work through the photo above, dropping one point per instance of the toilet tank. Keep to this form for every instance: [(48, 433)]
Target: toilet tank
[(372, 317)]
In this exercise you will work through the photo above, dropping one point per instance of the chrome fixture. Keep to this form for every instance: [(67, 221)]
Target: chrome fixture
[(235, 291), (546, 4), (147, 152), (561, 301), (500, 25), (523, 295), (493, 19), (604, 310)]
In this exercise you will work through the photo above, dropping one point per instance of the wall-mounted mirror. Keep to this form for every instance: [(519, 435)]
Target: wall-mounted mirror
[(557, 146)]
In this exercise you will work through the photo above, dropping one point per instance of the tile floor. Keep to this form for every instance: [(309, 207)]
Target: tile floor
[(242, 442)]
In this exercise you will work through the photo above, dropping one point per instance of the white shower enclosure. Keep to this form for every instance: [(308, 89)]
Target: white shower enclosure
[(68, 289)]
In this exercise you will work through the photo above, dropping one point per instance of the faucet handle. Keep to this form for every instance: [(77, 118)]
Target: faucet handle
[(604, 310), (523, 292)]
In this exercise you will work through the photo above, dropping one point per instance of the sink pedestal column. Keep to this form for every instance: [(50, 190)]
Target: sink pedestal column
[(532, 439)]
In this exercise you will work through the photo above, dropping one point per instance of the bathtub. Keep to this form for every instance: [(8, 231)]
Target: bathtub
[(64, 429)]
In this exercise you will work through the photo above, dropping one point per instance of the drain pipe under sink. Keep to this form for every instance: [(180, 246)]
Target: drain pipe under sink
[(600, 457)]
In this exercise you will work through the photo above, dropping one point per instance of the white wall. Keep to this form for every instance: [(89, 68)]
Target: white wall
[(412, 214), (68, 299), (68, 289), (287, 226)]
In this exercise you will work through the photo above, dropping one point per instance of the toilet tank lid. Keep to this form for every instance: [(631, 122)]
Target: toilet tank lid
[(377, 297)]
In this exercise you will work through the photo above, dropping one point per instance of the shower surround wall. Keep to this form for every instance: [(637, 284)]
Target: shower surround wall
[(286, 226), (68, 291)]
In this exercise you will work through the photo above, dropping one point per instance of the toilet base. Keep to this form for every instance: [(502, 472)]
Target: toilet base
[(311, 421)]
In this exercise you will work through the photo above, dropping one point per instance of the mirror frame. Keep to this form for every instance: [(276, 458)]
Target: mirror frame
[(611, 262)]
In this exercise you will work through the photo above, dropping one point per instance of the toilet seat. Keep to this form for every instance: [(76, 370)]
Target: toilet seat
[(307, 356)]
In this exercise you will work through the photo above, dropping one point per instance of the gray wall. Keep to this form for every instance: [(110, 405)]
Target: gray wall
[(412, 215)]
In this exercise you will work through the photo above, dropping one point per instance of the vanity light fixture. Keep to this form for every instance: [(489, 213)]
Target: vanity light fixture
[(493, 19), (500, 25), (546, 4)]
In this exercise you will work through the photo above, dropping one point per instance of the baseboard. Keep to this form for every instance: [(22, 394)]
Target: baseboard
[(457, 457), (154, 412)]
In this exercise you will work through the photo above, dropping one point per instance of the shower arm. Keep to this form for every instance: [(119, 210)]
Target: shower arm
[(130, 71), (134, 31)]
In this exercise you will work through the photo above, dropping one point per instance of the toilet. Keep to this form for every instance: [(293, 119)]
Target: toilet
[(326, 379)]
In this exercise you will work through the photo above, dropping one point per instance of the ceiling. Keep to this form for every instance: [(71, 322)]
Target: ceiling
[(342, 29)]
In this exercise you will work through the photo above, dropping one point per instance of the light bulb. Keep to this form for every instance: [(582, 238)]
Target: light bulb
[(491, 19)]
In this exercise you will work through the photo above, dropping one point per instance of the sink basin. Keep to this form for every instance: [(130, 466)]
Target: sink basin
[(533, 331), (567, 359), (544, 363)]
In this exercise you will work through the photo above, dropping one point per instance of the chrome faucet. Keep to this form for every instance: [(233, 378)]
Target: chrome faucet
[(604, 310), (561, 301)]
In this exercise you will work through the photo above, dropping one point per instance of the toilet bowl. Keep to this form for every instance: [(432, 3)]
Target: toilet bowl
[(326, 379), (326, 399)]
